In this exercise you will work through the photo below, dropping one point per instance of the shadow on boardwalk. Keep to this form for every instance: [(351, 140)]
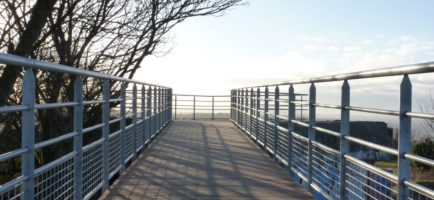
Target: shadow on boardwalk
[(204, 160)]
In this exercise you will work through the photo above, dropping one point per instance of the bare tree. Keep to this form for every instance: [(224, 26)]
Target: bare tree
[(108, 36)]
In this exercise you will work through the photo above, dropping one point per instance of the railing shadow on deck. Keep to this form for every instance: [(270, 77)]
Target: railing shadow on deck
[(208, 164)]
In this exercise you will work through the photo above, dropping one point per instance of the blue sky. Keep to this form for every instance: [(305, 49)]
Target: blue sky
[(249, 44)]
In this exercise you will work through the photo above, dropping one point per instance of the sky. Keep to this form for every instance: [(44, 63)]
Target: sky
[(281, 40)]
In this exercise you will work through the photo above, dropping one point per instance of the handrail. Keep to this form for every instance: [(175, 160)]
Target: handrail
[(384, 72), (87, 167), (254, 109), (210, 106), (19, 61)]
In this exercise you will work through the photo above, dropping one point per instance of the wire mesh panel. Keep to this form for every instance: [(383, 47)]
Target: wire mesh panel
[(139, 134), (416, 195), (92, 167), (11, 192), (270, 136), (362, 183), (261, 132), (282, 145), (147, 128), (299, 155), (129, 141), (114, 152), (55, 180), (326, 171)]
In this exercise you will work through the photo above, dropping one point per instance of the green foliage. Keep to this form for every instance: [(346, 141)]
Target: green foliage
[(424, 148)]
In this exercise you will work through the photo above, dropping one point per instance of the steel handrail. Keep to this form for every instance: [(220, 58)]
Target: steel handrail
[(253, 118), (109, 154)]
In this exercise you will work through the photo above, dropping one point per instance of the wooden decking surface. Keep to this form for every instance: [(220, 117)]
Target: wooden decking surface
[(204, 160)]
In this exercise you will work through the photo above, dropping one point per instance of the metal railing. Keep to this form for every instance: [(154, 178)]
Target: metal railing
[(201, 106), (88, 168), (331, 172)]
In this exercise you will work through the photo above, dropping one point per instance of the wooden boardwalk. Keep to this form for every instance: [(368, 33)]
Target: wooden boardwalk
[(204, 160)]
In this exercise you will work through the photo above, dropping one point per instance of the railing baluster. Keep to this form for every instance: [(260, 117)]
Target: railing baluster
[(258, 112), (311, 133), (105, 132), (122, 126), (28, 134), (291, 128), (163, 106), (242, 108), (134, 121), (240, 114), (194, 107), (251, 111), (170, 104), (212, 116), (233, 105), (78, 138), (149, 112), (404, 141), (176, 100), (345, 130), (276, 119), (265, 117), (154, 114), (159, 108), (166, 115), (246, 112), (142, 98)]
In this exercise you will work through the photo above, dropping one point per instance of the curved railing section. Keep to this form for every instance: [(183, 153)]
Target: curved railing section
[(332, 171), (145, 109)]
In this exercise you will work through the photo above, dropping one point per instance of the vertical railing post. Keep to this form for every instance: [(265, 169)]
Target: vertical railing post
[(194, 107), (149, 112), (239, 107), (176, 100), (78, 138), (404, 137), (170, 104), (28, 134), (212, 117), (158, 116), (311, 133), (161, 108), (265, 116), (252, 95), (291, 128), (246, 111), (105, 132), (345, 130), (134, 120), (154, 113), (163, 120), (301, 107), (243, 105), (122, 126), (142, 116), (232, 105), (258, 112), (276, 119)]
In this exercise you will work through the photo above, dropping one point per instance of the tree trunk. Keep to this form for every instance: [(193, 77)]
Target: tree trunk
[(41, 10)]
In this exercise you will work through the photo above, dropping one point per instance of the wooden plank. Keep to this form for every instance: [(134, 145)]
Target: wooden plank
[(204, 160)]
